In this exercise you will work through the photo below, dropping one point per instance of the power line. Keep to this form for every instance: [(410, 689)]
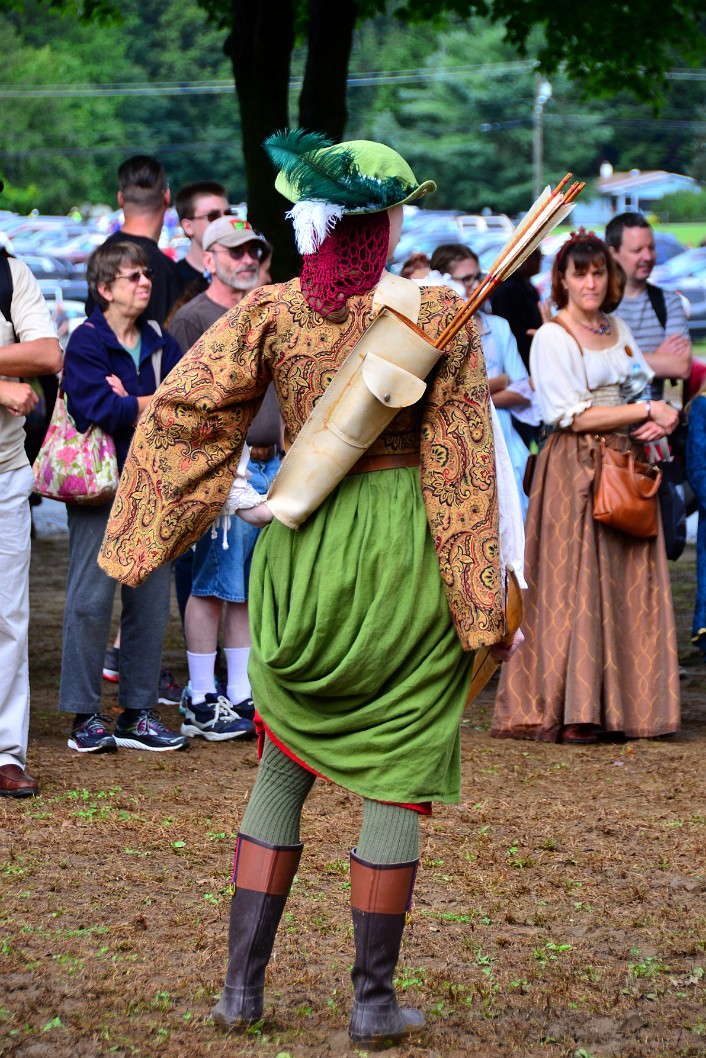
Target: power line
[(221, 87), (87, 152), (355, 80)]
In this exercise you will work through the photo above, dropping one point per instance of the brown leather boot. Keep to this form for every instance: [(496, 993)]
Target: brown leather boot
[(262, 879), (381, 894)]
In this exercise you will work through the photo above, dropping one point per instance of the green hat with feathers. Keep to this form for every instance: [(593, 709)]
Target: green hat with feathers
[(327, 180), (360, 176)]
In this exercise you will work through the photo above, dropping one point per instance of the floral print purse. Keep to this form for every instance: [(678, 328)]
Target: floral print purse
[(72, 466)]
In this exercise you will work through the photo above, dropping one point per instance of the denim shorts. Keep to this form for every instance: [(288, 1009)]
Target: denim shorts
[(224, 573)]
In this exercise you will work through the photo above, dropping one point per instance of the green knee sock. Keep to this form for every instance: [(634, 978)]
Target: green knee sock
[(275, 806), (389, 834)]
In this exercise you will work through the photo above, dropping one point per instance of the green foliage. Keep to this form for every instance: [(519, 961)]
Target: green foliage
[(458, 104), (65, 135), (467, 120), (683, 205), (195, 134), (19, 199), (622, 56)]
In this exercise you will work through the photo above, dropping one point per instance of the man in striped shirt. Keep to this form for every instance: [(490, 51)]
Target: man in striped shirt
[(655, 316)]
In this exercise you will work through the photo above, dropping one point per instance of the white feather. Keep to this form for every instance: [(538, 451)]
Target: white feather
[(313, 221)]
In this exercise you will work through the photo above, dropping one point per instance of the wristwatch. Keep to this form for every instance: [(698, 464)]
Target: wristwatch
[(648, 407)]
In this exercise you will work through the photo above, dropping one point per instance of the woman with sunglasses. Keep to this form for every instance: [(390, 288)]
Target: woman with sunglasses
[(114, 362), (510, 387)]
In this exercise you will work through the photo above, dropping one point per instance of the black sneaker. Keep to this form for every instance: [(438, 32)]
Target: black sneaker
[(147, 732), (246, 708), (170, 691), (215, 720), (111, 664), (92, 736)]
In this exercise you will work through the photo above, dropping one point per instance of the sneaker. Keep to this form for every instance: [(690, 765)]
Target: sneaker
[(215, 720), (92, 736), (147, 732), (111, 664), (246, 708), (170, 691)]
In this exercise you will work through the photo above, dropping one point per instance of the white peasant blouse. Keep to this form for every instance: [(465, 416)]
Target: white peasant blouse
[(564, 379)]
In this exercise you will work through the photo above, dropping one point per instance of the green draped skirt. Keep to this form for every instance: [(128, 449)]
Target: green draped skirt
[(356, 667)]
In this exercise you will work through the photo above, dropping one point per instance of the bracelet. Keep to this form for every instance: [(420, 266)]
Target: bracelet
[(648, 405)]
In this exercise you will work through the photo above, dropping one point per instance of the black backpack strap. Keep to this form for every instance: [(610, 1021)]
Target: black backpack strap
[(6, 287), (658, 303)]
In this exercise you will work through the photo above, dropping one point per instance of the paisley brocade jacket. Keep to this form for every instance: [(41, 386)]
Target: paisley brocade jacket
[(187, 445)]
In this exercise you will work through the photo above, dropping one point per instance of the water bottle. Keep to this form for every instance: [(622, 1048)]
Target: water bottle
[(636, 386)]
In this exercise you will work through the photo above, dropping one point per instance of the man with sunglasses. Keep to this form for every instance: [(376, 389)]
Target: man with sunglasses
[(197, 206), (144, 198), (232, 253)]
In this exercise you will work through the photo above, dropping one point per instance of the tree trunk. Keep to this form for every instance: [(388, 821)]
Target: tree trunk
[(260, 48), (322, 104)]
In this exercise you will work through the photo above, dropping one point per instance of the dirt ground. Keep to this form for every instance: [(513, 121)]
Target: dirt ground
[(559, 910)]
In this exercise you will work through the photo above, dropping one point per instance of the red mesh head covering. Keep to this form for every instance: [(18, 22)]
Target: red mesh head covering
[(349, 261)]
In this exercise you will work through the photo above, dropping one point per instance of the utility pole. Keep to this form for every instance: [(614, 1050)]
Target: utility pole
[(542, 94)]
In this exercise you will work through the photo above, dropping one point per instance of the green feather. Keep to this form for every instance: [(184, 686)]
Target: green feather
[(334, 177)]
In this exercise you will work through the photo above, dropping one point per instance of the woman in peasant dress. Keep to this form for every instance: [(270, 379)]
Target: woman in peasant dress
[(600, 655)]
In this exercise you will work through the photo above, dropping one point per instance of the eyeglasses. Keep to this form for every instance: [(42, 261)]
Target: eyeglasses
[(213, 214), (256, 253), (134, 277), (470, 279)]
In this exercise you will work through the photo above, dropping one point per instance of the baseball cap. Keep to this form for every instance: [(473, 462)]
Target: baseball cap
[(231, 231)]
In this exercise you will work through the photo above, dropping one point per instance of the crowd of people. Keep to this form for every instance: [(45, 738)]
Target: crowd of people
[(354, 670)]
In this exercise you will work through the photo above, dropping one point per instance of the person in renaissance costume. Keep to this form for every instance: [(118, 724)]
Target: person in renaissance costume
[(380, 574)]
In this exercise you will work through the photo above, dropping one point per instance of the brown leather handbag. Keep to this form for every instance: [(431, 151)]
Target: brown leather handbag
[(625, 492)]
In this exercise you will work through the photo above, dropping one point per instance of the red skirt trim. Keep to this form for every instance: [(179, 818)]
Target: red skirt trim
[(263, 730)]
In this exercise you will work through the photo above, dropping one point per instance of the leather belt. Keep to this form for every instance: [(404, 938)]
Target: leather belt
[(262, 453), (368, 464)]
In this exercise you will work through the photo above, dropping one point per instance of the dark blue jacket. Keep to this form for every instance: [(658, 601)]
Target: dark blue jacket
[(94, 352)]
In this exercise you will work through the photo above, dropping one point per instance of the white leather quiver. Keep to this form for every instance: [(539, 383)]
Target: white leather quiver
[(384, 372)]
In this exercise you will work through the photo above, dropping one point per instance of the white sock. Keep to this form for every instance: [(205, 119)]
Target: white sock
[(238, 682), (202, 675)]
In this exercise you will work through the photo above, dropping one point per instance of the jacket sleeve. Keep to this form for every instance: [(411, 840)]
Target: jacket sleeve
[(90, 398), (460, 490), (186, 447)]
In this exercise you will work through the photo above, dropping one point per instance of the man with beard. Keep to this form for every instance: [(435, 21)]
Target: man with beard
[(233, 251)]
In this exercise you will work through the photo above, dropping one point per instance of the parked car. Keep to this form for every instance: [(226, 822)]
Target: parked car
[(680, 265), (479, 224), (692, 287), (667, 246), (424, 230), (65, 313), (70, 289), (43, 266), (78, 249), (36, 233)]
